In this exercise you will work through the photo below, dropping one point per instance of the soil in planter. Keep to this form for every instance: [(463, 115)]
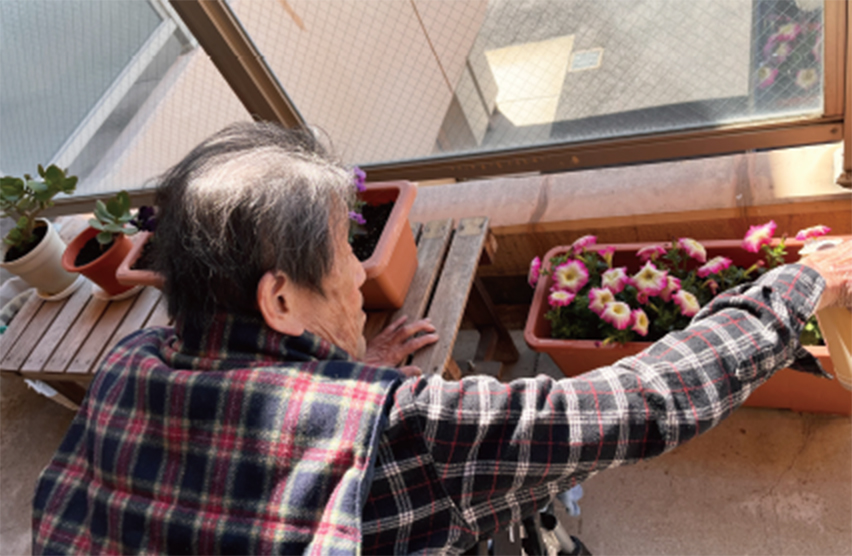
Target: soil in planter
[(91, 251), (15, 253), (376, 216), (146, 257)]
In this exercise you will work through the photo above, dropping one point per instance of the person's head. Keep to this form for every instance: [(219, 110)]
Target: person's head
[(254, 221)]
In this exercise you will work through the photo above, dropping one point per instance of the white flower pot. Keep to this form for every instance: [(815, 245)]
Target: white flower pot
[(42, 267)]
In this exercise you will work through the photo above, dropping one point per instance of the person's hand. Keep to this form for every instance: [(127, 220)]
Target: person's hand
[(397, 341), (835, 265)]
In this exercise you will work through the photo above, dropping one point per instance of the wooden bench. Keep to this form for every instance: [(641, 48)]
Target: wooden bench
[(63, 342)]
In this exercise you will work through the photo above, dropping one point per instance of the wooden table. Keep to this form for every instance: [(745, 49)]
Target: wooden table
[(63, 342)]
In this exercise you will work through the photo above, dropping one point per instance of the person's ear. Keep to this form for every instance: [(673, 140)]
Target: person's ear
[(276, 298)]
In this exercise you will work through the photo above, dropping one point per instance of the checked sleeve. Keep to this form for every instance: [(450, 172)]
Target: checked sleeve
[(501, 450)]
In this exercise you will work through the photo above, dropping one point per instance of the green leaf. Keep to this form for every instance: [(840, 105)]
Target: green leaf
[(41, 170), (114, 228), (101, 212), (37, 186), (114, 207), (53, 174), (104, 238), (130, 229), (22, 222), (124, 199), (96, 224), (69, 185)]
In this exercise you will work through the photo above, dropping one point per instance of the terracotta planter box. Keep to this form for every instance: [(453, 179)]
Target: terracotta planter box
[(787, 389), (102, 270), (392, 265), (130, 276)]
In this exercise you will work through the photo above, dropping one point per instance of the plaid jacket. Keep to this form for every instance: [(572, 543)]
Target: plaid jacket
[(210, 444), (458, 460)]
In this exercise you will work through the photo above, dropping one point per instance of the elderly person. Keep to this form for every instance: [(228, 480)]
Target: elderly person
[(261, 423)]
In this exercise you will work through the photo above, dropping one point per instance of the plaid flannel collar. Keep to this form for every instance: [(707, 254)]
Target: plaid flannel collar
[(226, 341)]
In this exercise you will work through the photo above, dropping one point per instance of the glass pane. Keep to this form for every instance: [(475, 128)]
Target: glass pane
[(412, 79), (114, 90)]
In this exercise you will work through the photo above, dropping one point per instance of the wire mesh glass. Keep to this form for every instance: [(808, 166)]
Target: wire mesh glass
[(396, 80)]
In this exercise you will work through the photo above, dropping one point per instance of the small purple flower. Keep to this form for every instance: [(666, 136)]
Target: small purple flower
[(357, 217), (360, 179)]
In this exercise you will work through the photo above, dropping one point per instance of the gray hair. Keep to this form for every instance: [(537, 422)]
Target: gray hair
[(252, 198)]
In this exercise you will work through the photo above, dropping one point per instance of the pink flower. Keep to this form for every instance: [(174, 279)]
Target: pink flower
[(758, 236), (693, 249), (606, 253), (618, 314), (598, 298), (560, 298), (650, 253), (766, 76), (672, 285), (583, 242), (650, 280), (687, 302), (642, 298), (535, 272), (788, 32), (615, 279), (807, 78), (812, 232), (571, 276), (713, 285), (784, 49), (714, 266), (640, 322)]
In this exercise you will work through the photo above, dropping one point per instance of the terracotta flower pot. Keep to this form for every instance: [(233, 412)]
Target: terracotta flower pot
[(787, 389), (130, 276), (42, 266), (393, 263), (102, 270)]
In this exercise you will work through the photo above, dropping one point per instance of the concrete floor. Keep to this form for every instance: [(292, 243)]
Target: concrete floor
[(763, 482)]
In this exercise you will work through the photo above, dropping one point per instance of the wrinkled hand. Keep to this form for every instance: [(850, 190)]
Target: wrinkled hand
[(396, 342), (835, 265)]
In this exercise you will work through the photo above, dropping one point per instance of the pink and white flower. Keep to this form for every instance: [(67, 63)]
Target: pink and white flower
[(598, 298), (571, 276), (766, 76), (812, 232), (618, 314), (615, 279), (535, 272), (687, 302), (714, 266), (560, 298), (807, 78), (758, 236), (672, 285), (693, 249), (583, 242), (606, 253), (650, 280), (788, 32), (640, 322), (651, 253)]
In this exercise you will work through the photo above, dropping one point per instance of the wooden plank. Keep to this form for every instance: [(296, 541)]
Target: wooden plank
[(434, 240), (17, 328), (70, 344), (61, 325), (495, 341), (160, 314), (136, 317), (451, 293), (31, 338), (89, 353)]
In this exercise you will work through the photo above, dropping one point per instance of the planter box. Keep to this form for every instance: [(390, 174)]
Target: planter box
[(130, 276), (787, 389), (102, 270), (393, 263)]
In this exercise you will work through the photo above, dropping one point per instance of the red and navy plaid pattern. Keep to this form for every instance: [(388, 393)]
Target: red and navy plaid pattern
[(210, 444), (460, 460), (178, 445)]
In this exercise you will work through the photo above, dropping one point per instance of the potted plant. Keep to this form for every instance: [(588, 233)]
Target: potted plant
[(98, 250), (33, 248), (135, 269), (596, 304), (382, 240)]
